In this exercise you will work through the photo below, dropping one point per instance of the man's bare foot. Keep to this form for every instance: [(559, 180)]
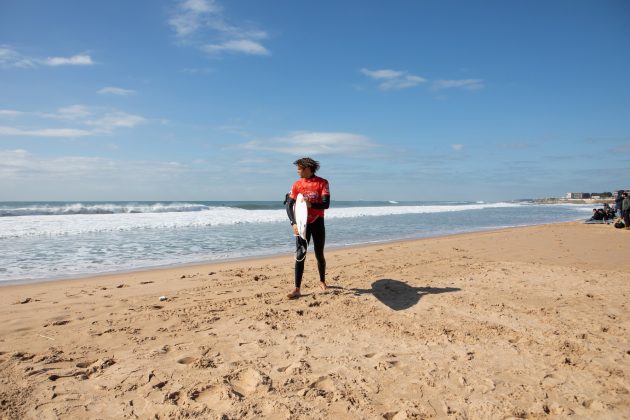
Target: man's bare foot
[(294, 294), (322, 285)]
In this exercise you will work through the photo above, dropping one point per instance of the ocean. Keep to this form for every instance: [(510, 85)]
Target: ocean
[(42, 241)]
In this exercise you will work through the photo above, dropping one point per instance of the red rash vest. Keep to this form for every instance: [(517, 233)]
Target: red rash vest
[(313, 188)]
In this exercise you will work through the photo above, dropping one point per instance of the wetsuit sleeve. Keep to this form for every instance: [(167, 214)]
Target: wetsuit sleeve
[(289, 207), (323, 205)]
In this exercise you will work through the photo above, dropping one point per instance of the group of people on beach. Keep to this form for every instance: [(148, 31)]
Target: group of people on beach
[(621, 211), (622, 204), (605, 214)]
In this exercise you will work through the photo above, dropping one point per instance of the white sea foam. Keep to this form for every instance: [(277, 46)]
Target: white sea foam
[(98, 208), (38, 247), (390, 211), (74, 224)]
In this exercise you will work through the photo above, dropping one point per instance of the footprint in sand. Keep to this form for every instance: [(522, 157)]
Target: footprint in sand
[(219, 397), (551, 381), (275, 409), (486, 385), (385, 364), (380, 364), (94, 367), (323, 386), (249, 381), (296, 368)]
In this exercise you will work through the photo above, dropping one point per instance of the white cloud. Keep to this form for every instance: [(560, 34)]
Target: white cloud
[(243, 46), (200, 6), (20, 165), (191, 15), (114, 120), (382, 74), (457, 147), (44, 132), (469, 84), (393, 79), (77, 114), (9, 113), (73, 112), (9, 58), (205, 19), (396, 79), (314, 143), (75, 60), (402, 83), (111, 90)]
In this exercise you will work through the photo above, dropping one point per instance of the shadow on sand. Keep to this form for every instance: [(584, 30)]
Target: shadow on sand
[(398, 295)]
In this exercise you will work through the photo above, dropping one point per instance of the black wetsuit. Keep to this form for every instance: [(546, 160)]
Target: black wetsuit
[(315, 230)]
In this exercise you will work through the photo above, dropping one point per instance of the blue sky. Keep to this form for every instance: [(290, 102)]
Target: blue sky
[(399, 100)]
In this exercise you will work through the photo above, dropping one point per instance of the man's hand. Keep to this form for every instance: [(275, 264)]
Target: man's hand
[(295, 229)]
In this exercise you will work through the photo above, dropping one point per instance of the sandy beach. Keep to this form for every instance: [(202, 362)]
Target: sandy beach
[(523, 322)]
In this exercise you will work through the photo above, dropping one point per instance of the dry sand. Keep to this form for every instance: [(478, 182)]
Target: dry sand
[(527, 322)]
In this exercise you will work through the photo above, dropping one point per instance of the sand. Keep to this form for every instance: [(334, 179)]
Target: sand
[(527, 322)]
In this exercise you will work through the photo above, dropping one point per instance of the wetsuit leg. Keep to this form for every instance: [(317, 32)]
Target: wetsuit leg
[(300, 256), (318, 230)]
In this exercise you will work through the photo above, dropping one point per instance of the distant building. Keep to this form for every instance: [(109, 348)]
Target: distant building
[(595, 196), (579, 195)]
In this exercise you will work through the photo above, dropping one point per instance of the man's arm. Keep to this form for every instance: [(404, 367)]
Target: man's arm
[(323, 205), (289, 203)]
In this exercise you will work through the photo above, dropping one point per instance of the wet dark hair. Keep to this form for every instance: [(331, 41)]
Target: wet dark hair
[(307, 162)]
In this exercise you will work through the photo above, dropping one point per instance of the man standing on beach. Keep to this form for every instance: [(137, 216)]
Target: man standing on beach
[(625, 209), (317, 196), (618, 203)]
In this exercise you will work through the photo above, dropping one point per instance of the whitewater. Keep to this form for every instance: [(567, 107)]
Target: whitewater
[(78, 219), (44, 241)]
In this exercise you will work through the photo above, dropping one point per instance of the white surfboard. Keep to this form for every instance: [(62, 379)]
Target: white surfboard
[(301, 214)]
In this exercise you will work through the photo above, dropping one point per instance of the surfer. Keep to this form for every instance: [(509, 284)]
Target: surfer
[(317, 197)]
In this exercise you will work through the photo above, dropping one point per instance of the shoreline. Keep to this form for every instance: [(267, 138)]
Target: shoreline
[(519, 322), (203, 263)]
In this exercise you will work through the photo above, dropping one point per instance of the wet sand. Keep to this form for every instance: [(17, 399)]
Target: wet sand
[(525, 322)]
